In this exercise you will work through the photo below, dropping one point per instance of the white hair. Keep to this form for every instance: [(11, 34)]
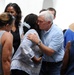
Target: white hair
[(47, 16)]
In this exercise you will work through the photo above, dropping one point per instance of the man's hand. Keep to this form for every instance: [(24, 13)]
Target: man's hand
[(34, 38), (37, 60)]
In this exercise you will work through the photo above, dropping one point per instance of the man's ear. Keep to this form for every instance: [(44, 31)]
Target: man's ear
[(49, 22)]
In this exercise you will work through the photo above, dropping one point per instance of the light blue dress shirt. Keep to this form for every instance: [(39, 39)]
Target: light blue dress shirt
[(54, 39), (22, 58)]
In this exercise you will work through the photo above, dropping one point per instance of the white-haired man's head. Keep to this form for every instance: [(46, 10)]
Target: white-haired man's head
[(45, 20), (47, 16)]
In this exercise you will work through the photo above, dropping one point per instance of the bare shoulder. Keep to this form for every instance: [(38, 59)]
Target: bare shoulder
[(7, 36)]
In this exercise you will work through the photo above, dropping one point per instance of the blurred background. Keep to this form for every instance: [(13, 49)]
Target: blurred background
[(64, 8)]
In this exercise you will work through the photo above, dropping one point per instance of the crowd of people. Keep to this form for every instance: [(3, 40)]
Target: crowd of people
[(36, 46)]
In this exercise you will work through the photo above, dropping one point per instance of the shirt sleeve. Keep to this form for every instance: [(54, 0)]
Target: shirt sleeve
[(57, 41), (26, 45), (27, 51)]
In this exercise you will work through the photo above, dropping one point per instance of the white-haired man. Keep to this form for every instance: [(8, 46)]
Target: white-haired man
[(51, 45)]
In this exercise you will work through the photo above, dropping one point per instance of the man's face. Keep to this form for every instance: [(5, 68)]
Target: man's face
[(43, 25)]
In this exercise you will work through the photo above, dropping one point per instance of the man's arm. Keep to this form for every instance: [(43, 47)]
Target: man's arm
[(65, 59), (7, 52), (45, 49)]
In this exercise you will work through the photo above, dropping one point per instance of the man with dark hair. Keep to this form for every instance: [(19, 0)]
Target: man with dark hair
[(53, 11), (42, 10)]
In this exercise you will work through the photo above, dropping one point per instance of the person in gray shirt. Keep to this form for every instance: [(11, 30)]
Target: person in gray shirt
[(27, 59)]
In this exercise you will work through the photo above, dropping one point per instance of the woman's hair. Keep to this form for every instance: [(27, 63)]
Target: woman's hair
[(31, 19), (6, 18), (17, 10)]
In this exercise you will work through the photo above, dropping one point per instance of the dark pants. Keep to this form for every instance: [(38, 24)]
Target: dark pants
[(49, 68), (18, 72)]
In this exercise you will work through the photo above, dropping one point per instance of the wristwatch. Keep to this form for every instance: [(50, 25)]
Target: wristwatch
[(39, 43)]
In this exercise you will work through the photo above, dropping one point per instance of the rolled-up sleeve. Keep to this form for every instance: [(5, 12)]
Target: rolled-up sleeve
[(26, 45)]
